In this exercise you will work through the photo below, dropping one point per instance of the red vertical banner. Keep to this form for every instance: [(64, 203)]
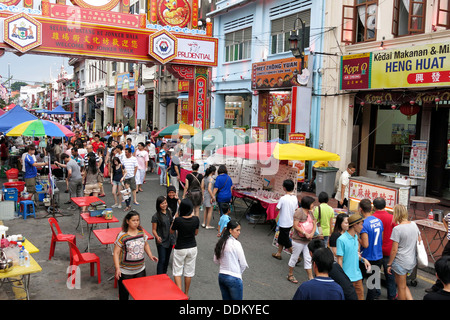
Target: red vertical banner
[(28, 4), (45, 8), (194, 14), (125, 6), (200, 94), (153, 11), (191, 103)]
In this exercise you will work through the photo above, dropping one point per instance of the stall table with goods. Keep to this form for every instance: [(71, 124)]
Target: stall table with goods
[(16, 263)]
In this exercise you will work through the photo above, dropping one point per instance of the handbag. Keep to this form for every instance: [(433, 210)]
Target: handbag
[(306, 226), (422, 256)]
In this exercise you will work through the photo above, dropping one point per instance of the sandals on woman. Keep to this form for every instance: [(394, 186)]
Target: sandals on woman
[(292, 279)]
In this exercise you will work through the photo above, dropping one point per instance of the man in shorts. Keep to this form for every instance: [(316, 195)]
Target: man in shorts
[(31, 169), (131, 166), (286, 207)]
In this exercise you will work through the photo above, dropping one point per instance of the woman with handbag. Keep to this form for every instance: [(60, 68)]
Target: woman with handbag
[(403, 260), (193, 188), (303, 231)]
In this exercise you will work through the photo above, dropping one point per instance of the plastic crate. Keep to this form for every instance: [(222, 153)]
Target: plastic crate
[(19, 185)]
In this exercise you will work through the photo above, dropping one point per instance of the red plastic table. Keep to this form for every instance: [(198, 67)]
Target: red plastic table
[(92, 221), (84, 202), (109, 236), (158, 287)]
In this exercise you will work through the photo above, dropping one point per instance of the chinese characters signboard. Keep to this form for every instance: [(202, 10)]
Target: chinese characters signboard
[(276, 73), (359, 190)]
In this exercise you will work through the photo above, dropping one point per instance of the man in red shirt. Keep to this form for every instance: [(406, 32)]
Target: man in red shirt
[(388, 224), (97, 143)]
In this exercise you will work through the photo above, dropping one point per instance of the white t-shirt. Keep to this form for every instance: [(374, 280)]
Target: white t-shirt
[(343, 180), (287, 206)]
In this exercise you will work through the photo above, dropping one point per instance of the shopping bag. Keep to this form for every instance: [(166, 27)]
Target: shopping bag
[(422, 256)]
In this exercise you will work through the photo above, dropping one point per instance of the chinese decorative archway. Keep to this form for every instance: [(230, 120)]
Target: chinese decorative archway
[(91, 29)]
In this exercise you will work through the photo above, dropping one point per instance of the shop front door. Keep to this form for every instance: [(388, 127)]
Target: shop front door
[(437, 155)]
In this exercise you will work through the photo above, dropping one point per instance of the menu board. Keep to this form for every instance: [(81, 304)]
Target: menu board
[(418, 159)]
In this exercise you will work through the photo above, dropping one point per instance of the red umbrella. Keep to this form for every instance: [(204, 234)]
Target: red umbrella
[(256, 151)]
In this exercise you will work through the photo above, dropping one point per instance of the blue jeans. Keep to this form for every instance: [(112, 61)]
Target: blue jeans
[(163, 175), (163, 259), (230, 287), (391, 286)]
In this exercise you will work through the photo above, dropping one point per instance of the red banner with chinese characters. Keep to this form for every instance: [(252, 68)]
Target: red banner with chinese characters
[(359, 190), (183, 85), (75, 15), (200, 85)]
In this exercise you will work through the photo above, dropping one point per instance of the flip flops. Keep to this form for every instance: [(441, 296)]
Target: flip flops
[(276, 256), (292, 279)]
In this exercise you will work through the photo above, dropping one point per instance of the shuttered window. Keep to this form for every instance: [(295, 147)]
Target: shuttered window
[(282, 29)]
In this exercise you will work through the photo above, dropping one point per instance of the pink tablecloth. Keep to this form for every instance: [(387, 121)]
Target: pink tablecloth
[(269, 206), (183, 174)]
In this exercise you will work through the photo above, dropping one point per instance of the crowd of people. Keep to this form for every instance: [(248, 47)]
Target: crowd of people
[(338, 253)]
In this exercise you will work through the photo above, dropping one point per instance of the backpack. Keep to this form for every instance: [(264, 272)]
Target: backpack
[(126, 129)]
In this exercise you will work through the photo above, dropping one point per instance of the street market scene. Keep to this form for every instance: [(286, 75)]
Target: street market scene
[(198, 150)]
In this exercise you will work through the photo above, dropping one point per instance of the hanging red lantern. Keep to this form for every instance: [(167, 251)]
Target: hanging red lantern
[(409, 109)]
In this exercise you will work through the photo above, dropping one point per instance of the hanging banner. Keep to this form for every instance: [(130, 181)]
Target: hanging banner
[(299, 138), (141, 106), (200, 102), (280, 73)]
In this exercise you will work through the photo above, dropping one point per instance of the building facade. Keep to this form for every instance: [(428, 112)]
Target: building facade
[(256, 84), (387, 87)]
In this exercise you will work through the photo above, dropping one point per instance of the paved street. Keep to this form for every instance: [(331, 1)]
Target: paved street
[(264, 280)]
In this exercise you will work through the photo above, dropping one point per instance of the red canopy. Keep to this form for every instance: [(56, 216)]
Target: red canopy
[(256, 151)]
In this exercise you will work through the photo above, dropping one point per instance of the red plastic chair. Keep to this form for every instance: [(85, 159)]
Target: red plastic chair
[(77, 258), (58, 236)]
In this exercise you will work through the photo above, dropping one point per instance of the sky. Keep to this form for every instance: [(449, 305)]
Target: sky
[(32, 68)]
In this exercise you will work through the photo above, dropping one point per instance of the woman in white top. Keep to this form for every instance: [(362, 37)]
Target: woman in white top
[(402, 260), (231, 259)]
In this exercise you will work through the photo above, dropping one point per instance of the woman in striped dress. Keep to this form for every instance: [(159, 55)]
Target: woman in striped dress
[(129, 249)]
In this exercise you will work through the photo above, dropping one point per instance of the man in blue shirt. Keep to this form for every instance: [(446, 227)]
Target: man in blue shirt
[(31, 169), (129, 145), (371, 243), (322, 287), (347, 252)]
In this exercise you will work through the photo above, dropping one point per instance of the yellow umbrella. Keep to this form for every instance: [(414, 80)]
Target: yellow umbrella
[(290, 151), (293, 151)]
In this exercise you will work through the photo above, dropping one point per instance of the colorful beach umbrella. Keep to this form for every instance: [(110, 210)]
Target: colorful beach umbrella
[(178, 129), (40, 128), (263, 151)]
